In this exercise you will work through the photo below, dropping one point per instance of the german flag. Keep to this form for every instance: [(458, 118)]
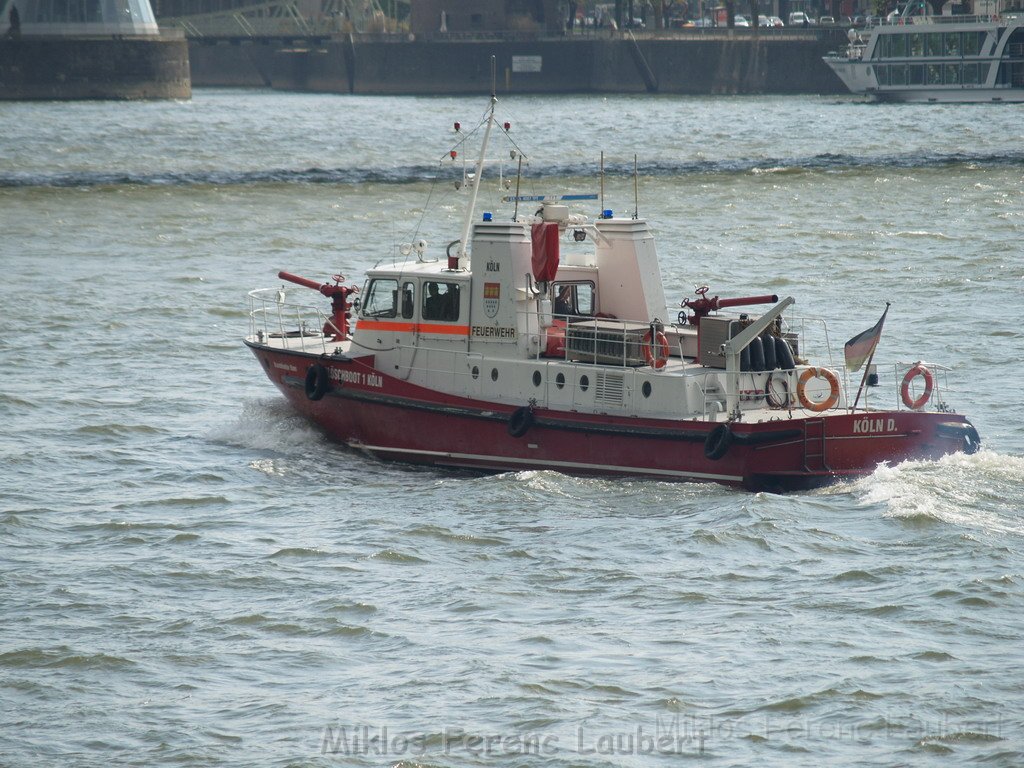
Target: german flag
[(862, 346)]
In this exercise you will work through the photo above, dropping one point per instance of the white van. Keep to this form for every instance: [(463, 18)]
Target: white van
[(798, 19)]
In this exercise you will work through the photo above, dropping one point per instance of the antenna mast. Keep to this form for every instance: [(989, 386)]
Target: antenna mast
[(636, 191), (467, 222)]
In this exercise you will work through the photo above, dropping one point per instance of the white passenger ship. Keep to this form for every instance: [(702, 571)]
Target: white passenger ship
[(915, 58)]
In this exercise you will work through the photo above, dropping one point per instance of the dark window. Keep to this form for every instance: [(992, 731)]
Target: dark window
[(440, 301), (381, 299), (573, 299), (408, 300)]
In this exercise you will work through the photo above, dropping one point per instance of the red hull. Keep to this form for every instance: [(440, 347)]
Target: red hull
[(392, 419)]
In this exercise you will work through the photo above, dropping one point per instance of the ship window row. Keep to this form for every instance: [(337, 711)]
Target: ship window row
[(931, 74), (920, 44), (382, 298)]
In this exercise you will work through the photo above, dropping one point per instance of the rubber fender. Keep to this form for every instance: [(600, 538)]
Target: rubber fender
[(756, 354), (317, 382), (520, 421), (717, 443), (768, 346), (783, 354)]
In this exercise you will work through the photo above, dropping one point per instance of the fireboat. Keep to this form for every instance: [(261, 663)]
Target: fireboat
[(541, 341)]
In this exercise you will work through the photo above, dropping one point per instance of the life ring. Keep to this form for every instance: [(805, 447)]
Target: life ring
[(817, 373), (317, 381), (929, 381), (660, 344), (520, 421), (717, 443)]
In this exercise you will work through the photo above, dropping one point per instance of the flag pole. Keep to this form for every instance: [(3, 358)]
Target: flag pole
[(867, 366)]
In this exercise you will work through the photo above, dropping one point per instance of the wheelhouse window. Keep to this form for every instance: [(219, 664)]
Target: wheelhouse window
[(408, 300), (440, 301), (380, 299), (574, 299)]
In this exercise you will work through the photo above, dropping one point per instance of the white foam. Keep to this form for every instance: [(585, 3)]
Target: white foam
[(268, 424), (975, 491)]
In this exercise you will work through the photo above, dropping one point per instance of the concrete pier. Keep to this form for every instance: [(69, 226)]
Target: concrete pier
[(94, 68), (707, 64)]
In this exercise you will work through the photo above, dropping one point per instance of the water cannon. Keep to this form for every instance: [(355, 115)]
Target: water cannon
[(702, 306), (338, 325)]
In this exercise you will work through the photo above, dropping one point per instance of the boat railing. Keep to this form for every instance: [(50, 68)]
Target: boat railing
[(882, 386), (274, 319), (901, 21), (917, 377)]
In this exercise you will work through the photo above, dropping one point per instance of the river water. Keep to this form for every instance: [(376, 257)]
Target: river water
[(192, 576)]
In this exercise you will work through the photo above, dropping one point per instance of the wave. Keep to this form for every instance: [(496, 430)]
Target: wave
[(970, 491), (827, 162)]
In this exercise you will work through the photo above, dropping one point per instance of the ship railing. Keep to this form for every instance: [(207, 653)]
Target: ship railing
[(883, 386), (900, 21), (275, 320), (596, 340), (904, 370)]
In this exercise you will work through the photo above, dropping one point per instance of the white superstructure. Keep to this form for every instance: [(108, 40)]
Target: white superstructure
[(936, 58)]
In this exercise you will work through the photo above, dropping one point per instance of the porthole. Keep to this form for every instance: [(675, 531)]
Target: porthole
[(476, 372), (560, 380), (536, 378), (646, 389), (584, 383), (494, 374)]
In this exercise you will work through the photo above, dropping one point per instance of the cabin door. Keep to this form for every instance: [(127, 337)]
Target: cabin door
[(408, 339)]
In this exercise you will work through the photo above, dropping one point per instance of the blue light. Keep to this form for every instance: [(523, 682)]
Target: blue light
[(487, 216), (606, 213)]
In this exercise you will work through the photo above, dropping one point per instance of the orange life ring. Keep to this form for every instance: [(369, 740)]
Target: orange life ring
[(661, 344), (817, 373), (929, 381)]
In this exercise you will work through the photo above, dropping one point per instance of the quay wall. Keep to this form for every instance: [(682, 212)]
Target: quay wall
[(723, 64), (94, 68)]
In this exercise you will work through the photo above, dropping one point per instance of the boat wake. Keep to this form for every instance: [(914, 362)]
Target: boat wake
[(972, 491), (827, 162), (269, 424)]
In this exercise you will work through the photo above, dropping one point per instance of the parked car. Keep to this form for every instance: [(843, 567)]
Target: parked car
[(740, 21), (827, 21), (764, 21), (776, 21), (799, 19)]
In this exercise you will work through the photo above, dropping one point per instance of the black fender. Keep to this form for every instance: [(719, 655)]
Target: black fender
[(717, 443), (520, 421), (317, 382)]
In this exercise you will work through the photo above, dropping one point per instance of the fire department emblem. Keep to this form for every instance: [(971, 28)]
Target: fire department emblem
[(492, 296)]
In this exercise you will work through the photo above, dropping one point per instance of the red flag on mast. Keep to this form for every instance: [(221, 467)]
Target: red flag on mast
[(862, 346)]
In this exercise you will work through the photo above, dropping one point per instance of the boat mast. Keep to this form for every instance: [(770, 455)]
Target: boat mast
[(467, 222)]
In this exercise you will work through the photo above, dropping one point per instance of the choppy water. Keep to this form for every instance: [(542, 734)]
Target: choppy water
[(191, 576)]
